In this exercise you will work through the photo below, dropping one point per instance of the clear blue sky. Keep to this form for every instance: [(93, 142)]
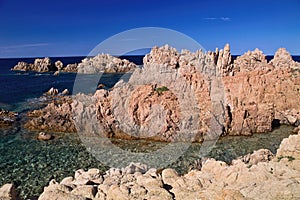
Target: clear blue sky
[(64, 28)]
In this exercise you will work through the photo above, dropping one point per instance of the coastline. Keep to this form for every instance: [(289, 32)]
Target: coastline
[(245, 112), (260, 175)]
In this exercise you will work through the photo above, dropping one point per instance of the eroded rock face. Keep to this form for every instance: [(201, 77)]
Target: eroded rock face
[(56, 116), (283, 59), (39, 65), (193, 96), (70, 68)]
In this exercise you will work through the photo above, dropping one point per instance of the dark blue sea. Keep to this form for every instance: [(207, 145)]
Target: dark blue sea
[(30, 164), (18, 88)]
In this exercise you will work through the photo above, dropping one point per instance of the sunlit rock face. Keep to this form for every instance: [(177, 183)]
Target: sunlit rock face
[(191, 96)]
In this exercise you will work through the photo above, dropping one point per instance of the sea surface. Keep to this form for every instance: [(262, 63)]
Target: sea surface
[(30, 164)]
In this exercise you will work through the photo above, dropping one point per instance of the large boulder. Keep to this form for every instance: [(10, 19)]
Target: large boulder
[(8, 192), (59, 65)]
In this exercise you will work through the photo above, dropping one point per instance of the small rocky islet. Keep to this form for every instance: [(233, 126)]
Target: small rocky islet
[(100, 63), (244, 96)]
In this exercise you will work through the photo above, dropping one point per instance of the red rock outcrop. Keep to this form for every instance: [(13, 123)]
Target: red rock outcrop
[(192, 96), (56, 116)]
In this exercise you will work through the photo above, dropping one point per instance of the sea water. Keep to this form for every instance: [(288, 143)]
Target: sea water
[(30, 164)]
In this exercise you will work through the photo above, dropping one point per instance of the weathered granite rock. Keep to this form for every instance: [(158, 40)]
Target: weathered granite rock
[(70, 68), (283, 59), (56, 116), (224, 61), (257, 177), (100, 63), (8, 192), (166, 55), (262, 155), (192, 96), (59, 65), (39, 65), (7, 118), (250, 61), (65, 92), (105, 63), (52, 91), (44, 136)]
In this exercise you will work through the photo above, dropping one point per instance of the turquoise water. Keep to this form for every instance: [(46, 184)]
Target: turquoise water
[(30, 164)]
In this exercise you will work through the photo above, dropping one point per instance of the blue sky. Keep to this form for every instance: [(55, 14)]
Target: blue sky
[(65, 28)]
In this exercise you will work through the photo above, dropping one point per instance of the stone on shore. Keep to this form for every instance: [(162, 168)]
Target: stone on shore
[(44, 136), (8, 192), (52, 91)]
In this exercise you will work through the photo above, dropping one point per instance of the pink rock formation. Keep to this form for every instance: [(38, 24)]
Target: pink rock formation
[(191, 96)]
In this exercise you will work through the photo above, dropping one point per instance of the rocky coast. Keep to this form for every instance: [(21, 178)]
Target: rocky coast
[(260, 175), (188, 97), (175, 97)]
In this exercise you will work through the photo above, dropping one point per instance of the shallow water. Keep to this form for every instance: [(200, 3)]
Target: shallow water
[(31, 164)]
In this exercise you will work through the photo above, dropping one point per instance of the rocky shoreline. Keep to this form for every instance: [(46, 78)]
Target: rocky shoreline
[(260, 175), (180, 96), (188, 97)]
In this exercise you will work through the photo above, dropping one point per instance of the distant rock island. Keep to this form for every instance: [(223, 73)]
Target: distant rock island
[(185, 97), (100, 63)]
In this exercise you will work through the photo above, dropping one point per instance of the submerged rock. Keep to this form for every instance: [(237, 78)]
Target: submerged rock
[(44, 136), (7, 118)]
